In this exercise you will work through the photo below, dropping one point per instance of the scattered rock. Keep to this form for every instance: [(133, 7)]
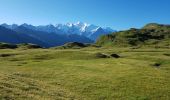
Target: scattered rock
[(101, 55), (157, 64), (115, 55)]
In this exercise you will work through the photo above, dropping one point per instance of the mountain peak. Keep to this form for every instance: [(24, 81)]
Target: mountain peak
[(79, 23), (24, 24), (13, 26), (4, 24)]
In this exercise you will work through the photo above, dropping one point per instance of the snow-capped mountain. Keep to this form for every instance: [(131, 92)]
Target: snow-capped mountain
[(83, 29), (88, 30)]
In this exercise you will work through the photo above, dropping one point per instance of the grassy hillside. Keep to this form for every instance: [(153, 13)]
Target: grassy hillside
[(67, 74), (152, 35)]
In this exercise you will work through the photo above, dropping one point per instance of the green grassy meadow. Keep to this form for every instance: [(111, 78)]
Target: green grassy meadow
[(77, 74)]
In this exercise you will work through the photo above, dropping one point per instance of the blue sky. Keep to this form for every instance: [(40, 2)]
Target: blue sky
[(118, 14)]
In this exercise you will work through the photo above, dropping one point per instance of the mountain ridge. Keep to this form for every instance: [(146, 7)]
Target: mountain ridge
[(79, 28)]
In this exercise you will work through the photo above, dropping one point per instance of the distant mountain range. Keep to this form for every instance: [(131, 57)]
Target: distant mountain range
[(51, 35)]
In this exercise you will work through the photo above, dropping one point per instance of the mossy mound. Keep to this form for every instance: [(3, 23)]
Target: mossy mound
[(7, 46), (93, 45), (72, 45), (29, 46), (75, 44)]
